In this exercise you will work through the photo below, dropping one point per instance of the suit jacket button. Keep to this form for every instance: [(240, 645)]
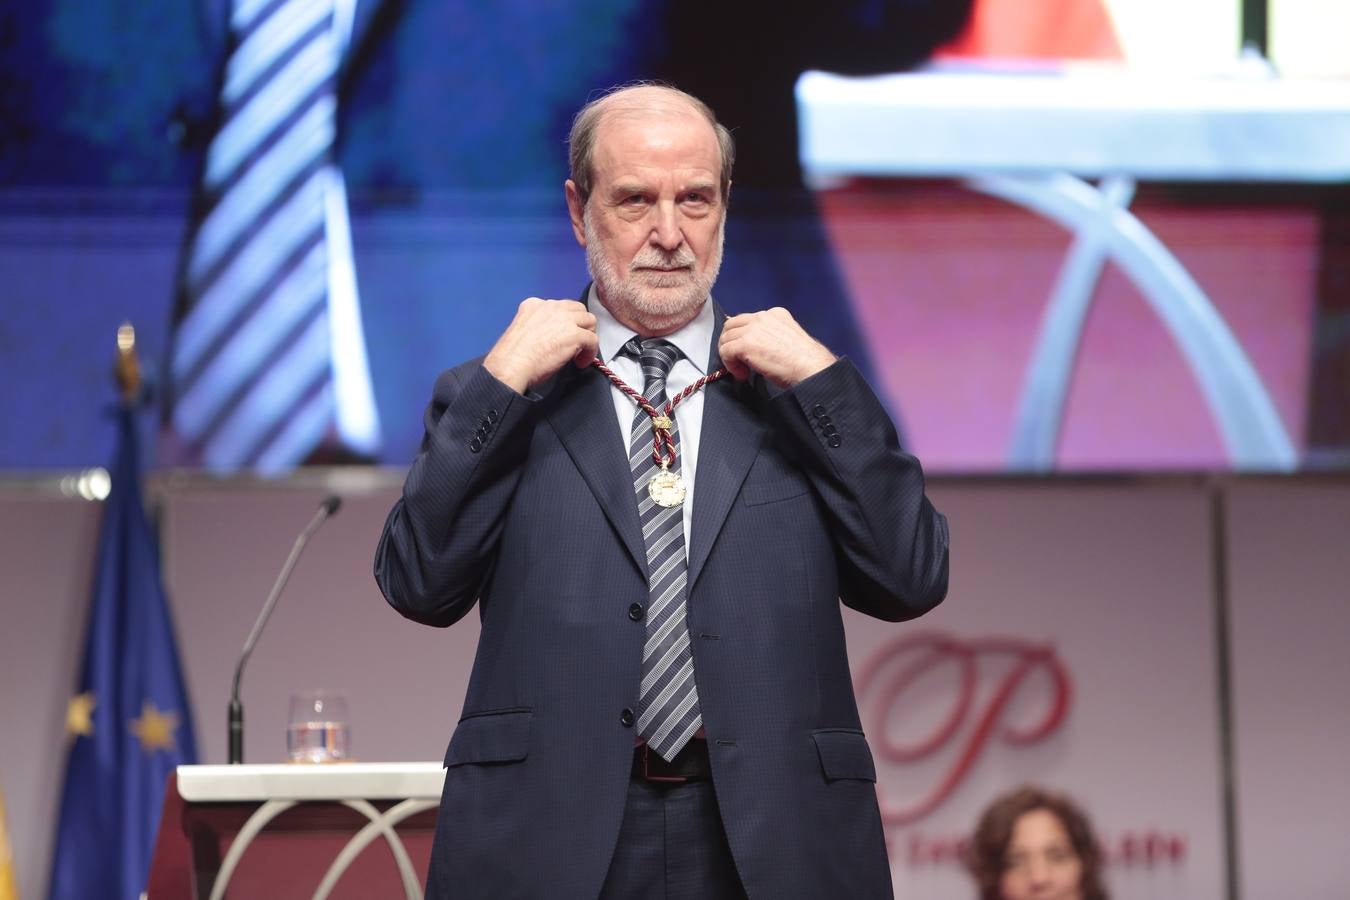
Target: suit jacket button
[(818, 410), (475, 445), (626, 718), (834, 440), (492, 415), (635, 612)]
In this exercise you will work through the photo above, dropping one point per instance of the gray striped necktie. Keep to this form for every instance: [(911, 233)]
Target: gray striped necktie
[(668, 708), (268, 359)]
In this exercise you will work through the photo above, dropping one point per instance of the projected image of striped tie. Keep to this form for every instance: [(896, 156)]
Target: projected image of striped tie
[(268, 362)]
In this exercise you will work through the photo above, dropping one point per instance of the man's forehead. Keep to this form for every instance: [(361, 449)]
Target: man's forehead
[(678, 140), (641, 106), (625, 172)]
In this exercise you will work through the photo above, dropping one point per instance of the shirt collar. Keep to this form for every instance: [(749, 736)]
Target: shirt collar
[(694, 339)]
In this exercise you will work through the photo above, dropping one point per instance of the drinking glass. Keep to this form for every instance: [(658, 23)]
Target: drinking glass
[(317, 731)]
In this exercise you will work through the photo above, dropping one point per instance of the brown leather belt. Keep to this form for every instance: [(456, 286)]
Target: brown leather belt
[(690, 764)]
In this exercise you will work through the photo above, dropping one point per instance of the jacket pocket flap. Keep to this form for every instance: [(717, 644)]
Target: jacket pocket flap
[(759, 492), (844, 754), (490, 737)]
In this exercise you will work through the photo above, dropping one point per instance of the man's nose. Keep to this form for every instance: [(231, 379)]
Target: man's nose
[(1038, 872), (666, 231)]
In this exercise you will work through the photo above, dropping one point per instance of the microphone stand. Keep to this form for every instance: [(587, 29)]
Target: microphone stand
[(236, 717)]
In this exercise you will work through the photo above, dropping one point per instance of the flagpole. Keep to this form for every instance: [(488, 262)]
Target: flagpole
[(128, 722), (128, 367)]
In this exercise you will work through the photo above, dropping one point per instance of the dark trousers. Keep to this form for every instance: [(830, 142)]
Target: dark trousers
[(672, 846)]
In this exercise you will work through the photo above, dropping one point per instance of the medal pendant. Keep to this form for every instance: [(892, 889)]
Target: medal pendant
[(666, 488), (661, 422)]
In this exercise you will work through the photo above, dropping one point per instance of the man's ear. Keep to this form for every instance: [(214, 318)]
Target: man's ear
[(576, 209)]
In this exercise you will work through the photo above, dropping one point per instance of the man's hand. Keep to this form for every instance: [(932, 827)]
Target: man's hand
[(772, 344), (543, 336)]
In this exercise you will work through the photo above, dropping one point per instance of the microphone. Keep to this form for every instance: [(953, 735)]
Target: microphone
[(327, 509)]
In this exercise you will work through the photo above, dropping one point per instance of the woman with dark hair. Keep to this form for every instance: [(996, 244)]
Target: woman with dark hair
[(1032, 844)]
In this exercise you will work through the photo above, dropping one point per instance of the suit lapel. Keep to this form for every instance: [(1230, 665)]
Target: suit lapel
[(583, 418), (729, 441)]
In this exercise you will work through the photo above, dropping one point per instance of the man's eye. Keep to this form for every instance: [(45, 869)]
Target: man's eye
[(695, 198), (634, 200)]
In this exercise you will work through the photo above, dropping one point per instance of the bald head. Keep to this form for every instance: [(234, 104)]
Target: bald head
[(638, 100)]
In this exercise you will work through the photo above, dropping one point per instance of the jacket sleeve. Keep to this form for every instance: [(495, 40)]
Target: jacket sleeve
[(440, 540), (891, 543)]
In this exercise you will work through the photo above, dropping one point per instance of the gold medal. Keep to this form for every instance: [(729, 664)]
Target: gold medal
[(666, 488)]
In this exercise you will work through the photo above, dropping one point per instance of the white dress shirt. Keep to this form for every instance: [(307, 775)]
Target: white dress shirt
[(694, 341)]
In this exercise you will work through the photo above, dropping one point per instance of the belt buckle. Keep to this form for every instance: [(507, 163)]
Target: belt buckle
[(646, 770)]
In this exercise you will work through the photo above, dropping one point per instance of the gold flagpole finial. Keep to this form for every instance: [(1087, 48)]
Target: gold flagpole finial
[(128, 365)]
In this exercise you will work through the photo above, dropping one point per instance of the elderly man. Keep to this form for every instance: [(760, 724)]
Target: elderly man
[(658, 510)]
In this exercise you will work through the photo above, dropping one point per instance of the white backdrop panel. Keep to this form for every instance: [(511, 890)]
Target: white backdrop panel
[(1113, 586), (1290, 589)]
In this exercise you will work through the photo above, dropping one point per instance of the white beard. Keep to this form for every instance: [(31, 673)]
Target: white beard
[(655, 302)]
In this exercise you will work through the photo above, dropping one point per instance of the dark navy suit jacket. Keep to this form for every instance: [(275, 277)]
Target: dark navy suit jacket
[(526, 505)]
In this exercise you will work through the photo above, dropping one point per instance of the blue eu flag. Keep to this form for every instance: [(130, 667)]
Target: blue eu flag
[(129, 722)]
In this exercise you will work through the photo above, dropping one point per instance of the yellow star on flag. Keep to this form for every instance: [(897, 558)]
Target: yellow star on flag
[(154, 728), (9, 890), (79, 714)]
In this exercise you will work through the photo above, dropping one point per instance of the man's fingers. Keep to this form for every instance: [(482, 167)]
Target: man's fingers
[(590, 348), (542, 337), (734, 324), (739, 370), (772, 343), (588, 341), (730, 350)]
